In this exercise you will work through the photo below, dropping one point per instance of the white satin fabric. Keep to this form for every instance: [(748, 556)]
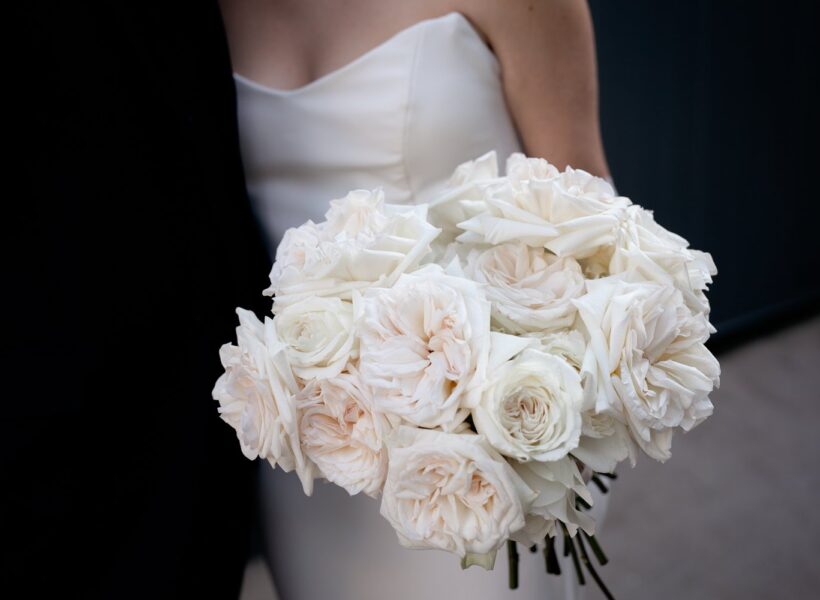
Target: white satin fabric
[(401, 117)]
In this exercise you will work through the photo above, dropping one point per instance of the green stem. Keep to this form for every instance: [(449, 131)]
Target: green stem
[(597, 481), (591, 569), (569, 548), (596, 548), (551, 557), (512, 555)]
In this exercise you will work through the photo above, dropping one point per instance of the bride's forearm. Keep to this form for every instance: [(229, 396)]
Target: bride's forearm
[(549, 73)]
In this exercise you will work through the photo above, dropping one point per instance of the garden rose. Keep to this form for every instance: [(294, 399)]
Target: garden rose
[(571, 214), (343, 434), (645, 247), (531, 289), (556, 485), (424, 345), (319, 336), (452, 492), (646, 359), (531, 407), (255, 396), (363, 242)]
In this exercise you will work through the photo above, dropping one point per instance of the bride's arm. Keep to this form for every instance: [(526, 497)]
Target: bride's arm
[(547, 53)]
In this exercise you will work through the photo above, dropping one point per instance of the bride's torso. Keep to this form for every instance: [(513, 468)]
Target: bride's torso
[(402, 116)]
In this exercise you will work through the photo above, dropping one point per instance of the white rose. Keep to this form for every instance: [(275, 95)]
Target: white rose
[(452, 492), (342, 434), (646, 359), (256, 397), (363, 242), (571, 214), (297, 251), (319, 335), (530, 408), (530, 289), (463, 195), (568, 344), (360, 213), (535, 529), (556, 484), (522, 169), (659, 255), (424, 345), (604, 441)]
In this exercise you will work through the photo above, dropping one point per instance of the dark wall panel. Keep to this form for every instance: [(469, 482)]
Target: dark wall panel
[(709, 116)]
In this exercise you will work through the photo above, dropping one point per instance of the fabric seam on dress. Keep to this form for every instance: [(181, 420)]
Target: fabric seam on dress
[(411, 81)]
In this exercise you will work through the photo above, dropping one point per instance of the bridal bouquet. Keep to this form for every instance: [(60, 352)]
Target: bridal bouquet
[(477, 361)]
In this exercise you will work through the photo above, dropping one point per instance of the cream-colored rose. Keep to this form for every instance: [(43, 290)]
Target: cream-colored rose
[(452, 492), (571, 214), (319, 335), (530, 289), (522, 169), (363, 242), (303, 258), (646, 360), (604, 441), (568, 344), (424, 345), (556, 484), (255, 395), (342, 434), (462, 197), (530, 408), (644, 247), (360, 213)]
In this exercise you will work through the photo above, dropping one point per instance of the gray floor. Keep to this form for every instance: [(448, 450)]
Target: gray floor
[(734, 514)]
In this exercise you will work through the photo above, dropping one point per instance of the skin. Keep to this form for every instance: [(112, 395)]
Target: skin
[(546, 49)]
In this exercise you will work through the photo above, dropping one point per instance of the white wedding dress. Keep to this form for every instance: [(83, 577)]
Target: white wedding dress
[(401, 117)]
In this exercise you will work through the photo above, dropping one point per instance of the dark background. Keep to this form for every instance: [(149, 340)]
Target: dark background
[(128, 241), (709, 117)]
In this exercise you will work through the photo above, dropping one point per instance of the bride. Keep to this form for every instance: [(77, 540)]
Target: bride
[(336, 95)]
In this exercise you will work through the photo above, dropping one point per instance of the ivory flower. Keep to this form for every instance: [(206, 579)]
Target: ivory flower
[(452, 492), (556, 484), (658, 255), (319, 336), (571, 214), (530, 289), (342, 434), (255, 395), (531, 407), (363, 242), (646, 359), (424, 345)]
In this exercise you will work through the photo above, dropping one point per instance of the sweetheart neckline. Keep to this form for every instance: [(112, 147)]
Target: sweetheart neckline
[(362, 57)]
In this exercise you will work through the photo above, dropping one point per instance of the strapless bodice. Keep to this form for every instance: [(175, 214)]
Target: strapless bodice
[(401, 116)]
